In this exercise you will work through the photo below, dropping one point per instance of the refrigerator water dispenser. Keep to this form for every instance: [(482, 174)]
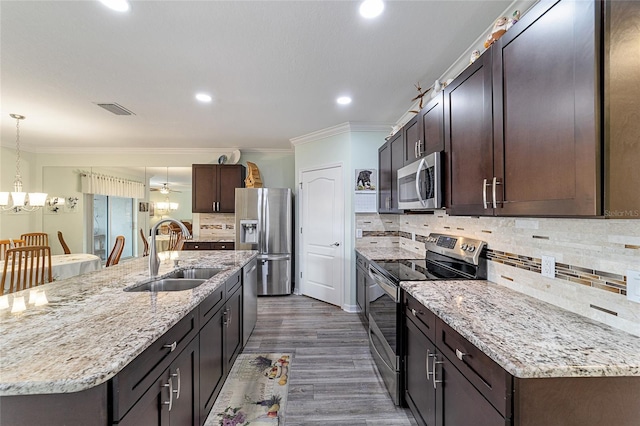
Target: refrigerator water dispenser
[(249, 231)]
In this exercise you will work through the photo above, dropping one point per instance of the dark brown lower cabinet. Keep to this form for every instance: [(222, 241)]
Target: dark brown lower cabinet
[(211, 362), (437, 392), (450, 382), (232, 322), (171, 400), (420, 393)]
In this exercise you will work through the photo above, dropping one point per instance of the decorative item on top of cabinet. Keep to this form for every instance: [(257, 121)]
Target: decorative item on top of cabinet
[(420, 96), (214, 187), (253, 179)]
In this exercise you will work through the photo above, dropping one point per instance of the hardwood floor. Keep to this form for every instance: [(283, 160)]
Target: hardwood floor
[(332, 378)]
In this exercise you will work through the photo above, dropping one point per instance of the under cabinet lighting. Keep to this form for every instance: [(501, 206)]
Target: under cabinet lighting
[(344, 100)]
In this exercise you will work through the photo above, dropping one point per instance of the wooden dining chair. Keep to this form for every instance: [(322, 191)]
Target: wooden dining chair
[(145, 242), (176, 240), (26, 267), (35, 239), (7, 244), (116, 251), (64, 245)]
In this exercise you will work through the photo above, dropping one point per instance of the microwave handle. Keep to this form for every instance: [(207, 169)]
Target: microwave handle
[(423, 202)]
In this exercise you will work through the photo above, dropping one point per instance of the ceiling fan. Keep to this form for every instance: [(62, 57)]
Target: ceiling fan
[(164, 189)]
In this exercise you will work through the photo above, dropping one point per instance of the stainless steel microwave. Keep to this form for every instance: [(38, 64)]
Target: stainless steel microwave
[(419, 184)]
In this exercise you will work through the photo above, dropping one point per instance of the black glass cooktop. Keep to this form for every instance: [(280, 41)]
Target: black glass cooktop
[(438, 268)]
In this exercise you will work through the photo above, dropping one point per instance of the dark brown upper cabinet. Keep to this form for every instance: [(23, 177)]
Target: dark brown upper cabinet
[(468, 139), (546, 112), (390, 159), (538, 152), (214, 187), (424, 133)]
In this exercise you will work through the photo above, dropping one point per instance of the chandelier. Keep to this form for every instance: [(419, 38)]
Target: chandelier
[(20, 200)]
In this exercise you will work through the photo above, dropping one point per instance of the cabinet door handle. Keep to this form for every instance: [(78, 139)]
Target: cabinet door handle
[(429, 356), (177, 374), (419, 147), (225, 314), (213, 206), (415, 149), (435, 361), (484, 193), (493, 191), (230, 316), (171, 346), (170, 402)]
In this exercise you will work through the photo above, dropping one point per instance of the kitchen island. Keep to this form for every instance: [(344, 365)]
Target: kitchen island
[(91, 328)]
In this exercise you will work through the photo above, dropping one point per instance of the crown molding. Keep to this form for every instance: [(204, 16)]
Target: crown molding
[(141, 150), (339, 129)]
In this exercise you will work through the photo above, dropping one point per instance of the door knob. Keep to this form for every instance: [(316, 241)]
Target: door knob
[(336, 244)]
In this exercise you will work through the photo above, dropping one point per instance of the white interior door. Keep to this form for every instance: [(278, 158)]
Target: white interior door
[(322, 236)]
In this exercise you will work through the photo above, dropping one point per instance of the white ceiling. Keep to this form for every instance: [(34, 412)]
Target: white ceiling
[(274, 68)]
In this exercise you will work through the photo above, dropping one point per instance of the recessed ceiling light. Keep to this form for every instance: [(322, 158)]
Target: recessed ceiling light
[(203, 97), (343, 100), (371, 8), (117, 5)]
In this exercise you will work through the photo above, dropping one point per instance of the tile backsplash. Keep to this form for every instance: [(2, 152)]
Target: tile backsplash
[(216, 226), (592, 256)]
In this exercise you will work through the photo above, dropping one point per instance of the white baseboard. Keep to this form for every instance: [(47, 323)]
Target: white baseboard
[(352, 309)]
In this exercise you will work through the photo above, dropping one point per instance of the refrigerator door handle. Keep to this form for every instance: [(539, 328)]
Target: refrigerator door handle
[(274, 256)]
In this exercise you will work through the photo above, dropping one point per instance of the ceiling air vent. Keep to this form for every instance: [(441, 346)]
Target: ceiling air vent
[(116, 109)]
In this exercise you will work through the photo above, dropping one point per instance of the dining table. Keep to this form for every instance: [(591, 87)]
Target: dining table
[(162, 243), (69, 265)]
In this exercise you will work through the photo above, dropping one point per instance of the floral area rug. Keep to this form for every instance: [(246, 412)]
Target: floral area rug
[(255, 392)]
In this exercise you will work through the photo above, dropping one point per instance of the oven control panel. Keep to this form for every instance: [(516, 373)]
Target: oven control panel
[(467, 249)]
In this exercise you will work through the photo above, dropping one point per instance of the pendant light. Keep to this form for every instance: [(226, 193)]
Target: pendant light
[(19, 199)]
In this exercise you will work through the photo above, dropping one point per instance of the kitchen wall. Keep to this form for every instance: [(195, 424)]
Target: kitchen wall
[(592, 256), (353, 146)]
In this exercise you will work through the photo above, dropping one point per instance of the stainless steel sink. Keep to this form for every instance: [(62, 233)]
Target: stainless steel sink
[(184, 279), (195, 273), (168, 284)]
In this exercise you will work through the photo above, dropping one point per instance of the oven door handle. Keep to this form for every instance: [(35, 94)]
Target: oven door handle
[(375, 348), (388, 288), (422, 201)]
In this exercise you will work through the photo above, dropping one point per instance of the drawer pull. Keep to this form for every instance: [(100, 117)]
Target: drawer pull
[(414, 312), (460, 354), (172, 346)]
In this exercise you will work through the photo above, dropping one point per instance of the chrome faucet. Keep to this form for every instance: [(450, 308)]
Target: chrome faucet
[(154, 260)]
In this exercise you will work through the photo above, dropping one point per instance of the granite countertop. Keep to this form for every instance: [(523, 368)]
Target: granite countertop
[(387, 253), (90, 328), (528, 337)]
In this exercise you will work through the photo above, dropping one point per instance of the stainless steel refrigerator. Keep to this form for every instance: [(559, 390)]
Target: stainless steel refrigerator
[(264, 222)]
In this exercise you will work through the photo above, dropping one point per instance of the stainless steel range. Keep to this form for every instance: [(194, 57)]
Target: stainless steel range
[(448, 257)]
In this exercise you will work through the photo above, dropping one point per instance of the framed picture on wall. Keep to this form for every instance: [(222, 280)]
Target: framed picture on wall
[(151, 209), (143, 206), (366, 180)]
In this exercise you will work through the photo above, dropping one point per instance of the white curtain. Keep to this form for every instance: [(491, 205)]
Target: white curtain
[(93, 183)]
